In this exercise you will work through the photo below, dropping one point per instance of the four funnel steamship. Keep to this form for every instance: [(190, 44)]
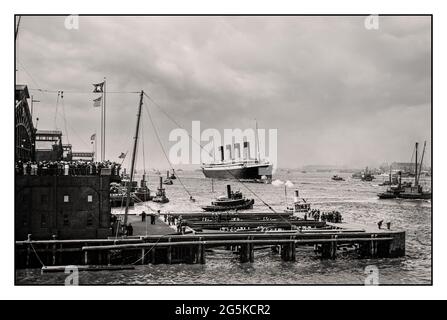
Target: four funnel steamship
[(234, 167)]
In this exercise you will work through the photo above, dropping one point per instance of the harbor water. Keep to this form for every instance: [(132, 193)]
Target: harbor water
[(355, 199)]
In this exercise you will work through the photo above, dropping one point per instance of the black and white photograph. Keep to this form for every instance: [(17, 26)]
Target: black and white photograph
[(223, 150)]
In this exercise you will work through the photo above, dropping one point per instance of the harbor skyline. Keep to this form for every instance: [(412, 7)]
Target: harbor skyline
[(339, 89)]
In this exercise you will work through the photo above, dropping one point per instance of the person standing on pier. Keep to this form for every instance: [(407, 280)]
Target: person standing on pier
[(143, 216)]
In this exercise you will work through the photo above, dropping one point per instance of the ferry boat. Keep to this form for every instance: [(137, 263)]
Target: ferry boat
[(233, 201)]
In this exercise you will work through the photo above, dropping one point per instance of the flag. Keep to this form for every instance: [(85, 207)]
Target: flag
[(98, 87), (97, 102), (122, 155), (93, 137)]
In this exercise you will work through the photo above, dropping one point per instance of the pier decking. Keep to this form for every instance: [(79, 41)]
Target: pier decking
[(240, 233)]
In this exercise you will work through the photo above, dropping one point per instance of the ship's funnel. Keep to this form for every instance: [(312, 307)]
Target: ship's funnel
[(161, 182), (228, 152), (221, 150), (297, 195), (237, 151), (167, 174), (228, 191), (246, 150), (143, 181)]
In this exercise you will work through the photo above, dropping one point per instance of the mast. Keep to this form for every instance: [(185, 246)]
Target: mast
[(422, 159), (132, 166), (258, 157), (390, 174), (103, 134), (416, 166)]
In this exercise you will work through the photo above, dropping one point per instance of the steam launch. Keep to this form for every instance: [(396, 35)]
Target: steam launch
[(233, 166)]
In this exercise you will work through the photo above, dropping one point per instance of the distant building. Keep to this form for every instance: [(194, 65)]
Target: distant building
[(407, 167)]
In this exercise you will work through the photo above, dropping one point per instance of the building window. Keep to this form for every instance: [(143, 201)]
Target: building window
[(43, 198), (89, 220), (43, 221), (66, 198), (89, 198), (66, 221)]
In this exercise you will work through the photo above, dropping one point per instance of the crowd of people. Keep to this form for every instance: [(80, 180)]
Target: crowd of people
[(65, 168), (332, 216)]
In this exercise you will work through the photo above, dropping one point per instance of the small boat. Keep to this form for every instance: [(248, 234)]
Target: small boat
[(367, 175), (160, 196), (298, 206), (142, 192), (118, 196), (172, 176), (233, 201), (416, 191), (337, 178), (168, 179)]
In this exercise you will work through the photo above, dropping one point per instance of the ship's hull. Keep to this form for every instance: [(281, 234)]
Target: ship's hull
[(246, 204), (249, 172), (415, 196)]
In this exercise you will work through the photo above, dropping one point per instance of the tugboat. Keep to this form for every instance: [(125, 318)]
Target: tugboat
[(168, 179), (298, 206), (367, 175), (392, 180), (416, 191), (233, 201), (337, 178), (160, 196), (118, 196), (394, 191), (142, 192)]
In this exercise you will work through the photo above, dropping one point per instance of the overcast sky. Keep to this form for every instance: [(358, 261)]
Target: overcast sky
[(337, 92)]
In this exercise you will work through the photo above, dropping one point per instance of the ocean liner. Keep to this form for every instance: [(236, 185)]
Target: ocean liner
[(233, 166)]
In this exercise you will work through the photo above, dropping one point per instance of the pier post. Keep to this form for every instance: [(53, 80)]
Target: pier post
[(153, 255), (292, 250), (169, 253), (143, 255), (201, 252), (244, 253), (326, 250), (251, 248), (334, 247)]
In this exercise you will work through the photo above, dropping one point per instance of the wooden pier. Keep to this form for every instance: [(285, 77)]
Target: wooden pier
[(240, 234)]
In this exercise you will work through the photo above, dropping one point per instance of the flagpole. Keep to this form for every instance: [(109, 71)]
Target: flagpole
[(104, 102), (96, 139), (102, 117)]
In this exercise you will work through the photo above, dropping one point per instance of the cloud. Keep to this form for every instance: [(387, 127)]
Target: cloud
[(345, 94)]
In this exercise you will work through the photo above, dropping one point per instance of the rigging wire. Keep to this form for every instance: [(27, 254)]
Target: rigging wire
[(74, 91), (238, 180), (55, 113), (162, 148)]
